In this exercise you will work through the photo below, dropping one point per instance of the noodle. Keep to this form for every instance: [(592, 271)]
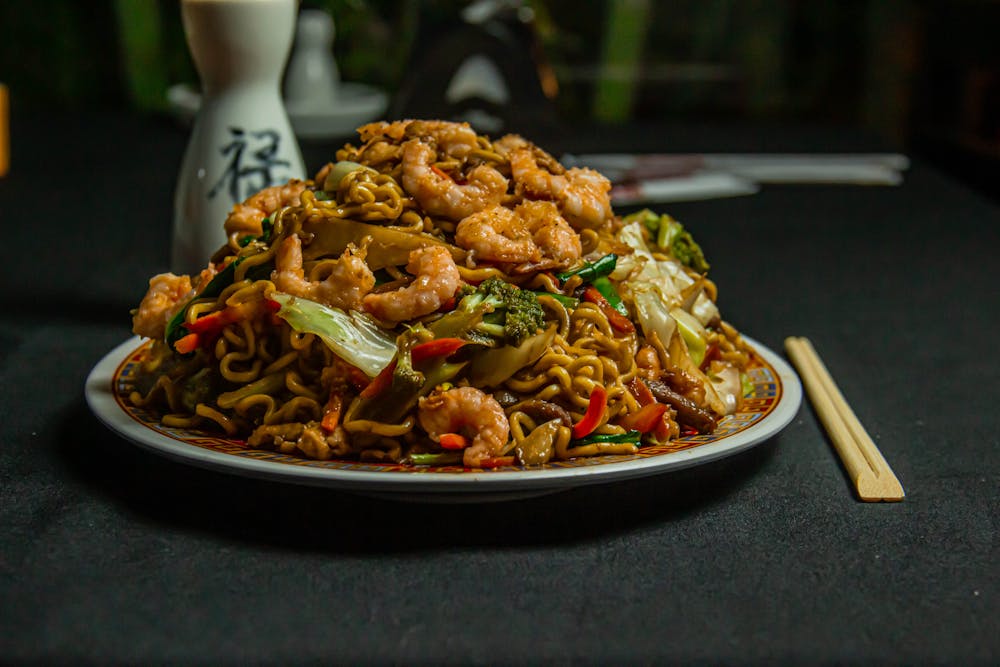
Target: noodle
[(375, 346)]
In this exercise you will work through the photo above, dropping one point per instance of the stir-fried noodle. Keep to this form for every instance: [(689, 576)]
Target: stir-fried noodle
[(435, 296)]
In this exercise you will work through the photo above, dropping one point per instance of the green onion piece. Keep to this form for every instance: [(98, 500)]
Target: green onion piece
[(628, 436), (436, 458), (591, 270), (608, 291), (265, 234), (567, 301)]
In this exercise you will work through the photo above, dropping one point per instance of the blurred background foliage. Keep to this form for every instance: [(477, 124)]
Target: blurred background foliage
[(918, 73)]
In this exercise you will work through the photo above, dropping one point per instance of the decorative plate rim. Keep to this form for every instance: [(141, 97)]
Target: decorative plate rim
[(233, 457)]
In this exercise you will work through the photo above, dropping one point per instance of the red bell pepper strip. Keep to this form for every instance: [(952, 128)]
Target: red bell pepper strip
[(331, 413), (272, 307), (187, 344), (439, 347), (617, 321), (645, 397), (381, 382), (213, 323), (663, 428), (453, 441), (209, 327), (646, 418), (596, 408)]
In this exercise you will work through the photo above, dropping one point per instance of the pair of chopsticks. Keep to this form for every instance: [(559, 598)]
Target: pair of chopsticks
[(873, 478)]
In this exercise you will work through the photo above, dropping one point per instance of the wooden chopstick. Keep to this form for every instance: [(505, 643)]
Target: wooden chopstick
[(4, 130), (873, 478)]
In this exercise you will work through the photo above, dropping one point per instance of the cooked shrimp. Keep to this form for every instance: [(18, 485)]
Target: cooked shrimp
[(345, 287), (453, 139), (647, 362), (438, 194), (323, 172), (550, 231), (167, 293), (510, 142), (437, 280), (394, 130), (469, 412), (532, 231), (497, 234), (246, 218), (582, 194)]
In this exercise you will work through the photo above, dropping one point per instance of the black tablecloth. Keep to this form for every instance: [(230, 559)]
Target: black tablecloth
[(112, 554)]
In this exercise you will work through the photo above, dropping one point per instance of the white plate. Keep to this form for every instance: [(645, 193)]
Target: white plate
[(772, 405)]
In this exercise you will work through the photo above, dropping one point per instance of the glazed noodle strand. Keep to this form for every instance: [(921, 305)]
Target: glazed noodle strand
[(438, 293)]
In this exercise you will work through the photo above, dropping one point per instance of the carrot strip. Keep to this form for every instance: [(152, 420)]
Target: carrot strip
[(331, 414), (645, 419), (496, 461), (187, 344), (453, 441)]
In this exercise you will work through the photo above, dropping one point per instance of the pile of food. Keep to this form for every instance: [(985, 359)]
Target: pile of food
[(437, 297)]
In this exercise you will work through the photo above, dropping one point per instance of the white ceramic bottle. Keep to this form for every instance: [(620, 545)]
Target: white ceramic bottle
[(241, 141)]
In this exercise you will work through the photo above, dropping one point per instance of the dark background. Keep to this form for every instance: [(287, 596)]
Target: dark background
[(921, 75), (110, 554)]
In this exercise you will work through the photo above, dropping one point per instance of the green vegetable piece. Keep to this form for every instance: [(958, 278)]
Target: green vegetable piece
[(336, 175), (265, 236), (409, 383), (687, 252), (567, 301), (678, 241), (672, 237), (199, 388), (628, 436), (353, 336), (268, 384), (436, 458), (495, 309), (608, 291), (591, 270), (491, 367), (386, 246), (691, 331)]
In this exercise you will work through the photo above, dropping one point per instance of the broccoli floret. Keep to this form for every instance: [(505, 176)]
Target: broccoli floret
[(494, 311), (671, 237), (684, 248)]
